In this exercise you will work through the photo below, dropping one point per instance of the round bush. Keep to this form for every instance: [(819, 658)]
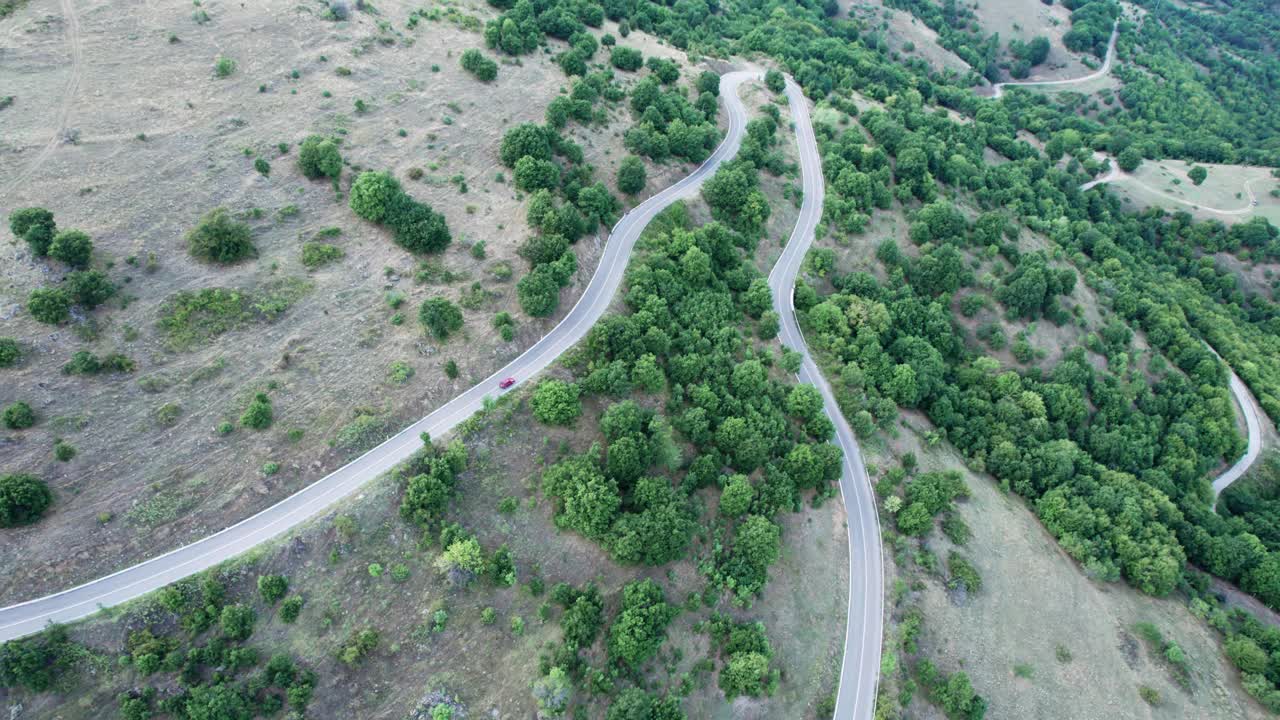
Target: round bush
[(440, 317), (219, 238), (19, 416), (319, 157), (10, 353), (72, 247), (418, 228), (631, 175), (35, 226), (49, 305), (90, 288), (23, 499), (375, 195)]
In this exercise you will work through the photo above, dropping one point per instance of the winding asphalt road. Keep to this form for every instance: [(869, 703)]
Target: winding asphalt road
[(860, 670), (1253, 422), (29, 617)]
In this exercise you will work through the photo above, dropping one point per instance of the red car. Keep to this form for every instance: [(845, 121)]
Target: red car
[(507, 383)]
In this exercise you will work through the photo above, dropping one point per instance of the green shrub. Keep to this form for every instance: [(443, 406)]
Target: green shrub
[(474, 62), (63, 451), (19, 416), (556, 402), (258, 415), (190, 318), (90, 288), (272, 588), (23, 499), (440, 317), (290, 609), (625, 58), (318, 157), (83, 362), (317, 254), (219, 238), (224, 67), (631, 175), (72, 247), (10, 352), (35, 226), (358, 645), (262, 166), (51, 306), (373, 194)]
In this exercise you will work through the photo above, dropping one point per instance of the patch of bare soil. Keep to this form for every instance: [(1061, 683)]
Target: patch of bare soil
[(153, 140)]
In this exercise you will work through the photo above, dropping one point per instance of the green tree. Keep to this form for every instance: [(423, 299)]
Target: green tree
[(553, 693), (524, 140), (219, 238), (51, 306), (440, 317), (631, 175), (35, 226), (625, 58), (23, 499), (474, 62), (533, 174), (641, 625), (774, 81), (1197, 174), (19, 416), (462, 561), (237, 621), (258, 414), (737, 496), (10, 352), (72, 247), (375, 196), (90, 288), (318, 157), (272, 588), (1129, 159), (555, 402)]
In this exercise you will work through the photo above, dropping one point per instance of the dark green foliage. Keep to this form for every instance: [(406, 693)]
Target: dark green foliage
[(318, 157), (290, 609), (524, 140), (19, 416), (35, 663), (258, 414), (555, 402), (236, 621), (51, 306), (440, 317), (429, 489), (1129, 159), (378, 197), (747, 655), (1197, 174), (631, 175), (72, 247), (272, 588), (83, 362), (625, 58), (317, 254), (952, 693), (10, 352), (474, 62), (774, 81), (90, 288), (35, 226), (641, 624), (636, 704), (23, 499), (533, 174), (219, 238), (735, 198)]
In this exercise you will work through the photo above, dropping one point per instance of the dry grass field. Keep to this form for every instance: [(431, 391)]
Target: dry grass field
[(121, 127), (1164, 183)]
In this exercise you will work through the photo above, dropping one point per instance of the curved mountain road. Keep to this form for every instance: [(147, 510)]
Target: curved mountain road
[(1253, 422), (31, 616), (860, 669)]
